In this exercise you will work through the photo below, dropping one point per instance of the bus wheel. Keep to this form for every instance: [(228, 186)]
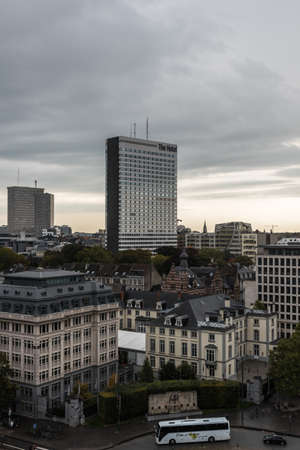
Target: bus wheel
[(172, 442), (211, 439)]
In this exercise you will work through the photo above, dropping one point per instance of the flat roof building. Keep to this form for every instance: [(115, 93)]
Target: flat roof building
[(141, 194), (278, 282), (57, 329), (29, 209)]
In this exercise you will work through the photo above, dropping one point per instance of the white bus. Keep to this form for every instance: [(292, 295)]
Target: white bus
[(192, 430)]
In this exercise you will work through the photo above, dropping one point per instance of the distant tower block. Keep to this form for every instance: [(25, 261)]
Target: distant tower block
[(29, 209)]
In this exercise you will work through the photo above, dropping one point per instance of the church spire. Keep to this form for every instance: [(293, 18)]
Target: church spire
[(204, 227), (184, 258)]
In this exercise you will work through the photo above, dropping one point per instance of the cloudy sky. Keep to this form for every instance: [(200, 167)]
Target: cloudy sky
[(219, 78)]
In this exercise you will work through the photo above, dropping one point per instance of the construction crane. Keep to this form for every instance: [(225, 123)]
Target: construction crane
[(272, 227)]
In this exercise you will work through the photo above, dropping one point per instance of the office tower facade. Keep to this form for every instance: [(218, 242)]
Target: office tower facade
[(228, 236), (141, 194), (29, 209), (58, 329), (278, 282)]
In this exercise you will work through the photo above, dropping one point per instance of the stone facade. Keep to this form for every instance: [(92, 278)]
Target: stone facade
[(212, 335), (172, 402), (57, 330)]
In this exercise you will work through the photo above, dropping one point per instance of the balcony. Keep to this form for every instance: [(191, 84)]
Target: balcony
[(210, 363)]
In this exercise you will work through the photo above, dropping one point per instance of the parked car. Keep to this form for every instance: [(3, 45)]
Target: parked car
[(274, 439)]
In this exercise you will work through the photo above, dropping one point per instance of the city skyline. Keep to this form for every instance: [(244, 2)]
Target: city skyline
[(216, 82)]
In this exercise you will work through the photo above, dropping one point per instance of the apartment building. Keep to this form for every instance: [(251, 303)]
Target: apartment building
[(145, 304), (140, 277), (212, 335), (196, 239), (57, 329), (229, 236), (278, 282), (249, 245)]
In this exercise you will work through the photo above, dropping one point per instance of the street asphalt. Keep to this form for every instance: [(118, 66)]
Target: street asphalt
[(242, 439)]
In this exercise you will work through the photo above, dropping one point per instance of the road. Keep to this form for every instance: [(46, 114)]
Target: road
[(241, 439)]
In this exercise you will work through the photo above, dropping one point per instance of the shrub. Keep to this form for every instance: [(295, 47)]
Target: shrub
[(134, 402), (134, 398), (108, 407)]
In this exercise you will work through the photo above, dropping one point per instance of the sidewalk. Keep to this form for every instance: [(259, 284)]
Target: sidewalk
[(87, 437)]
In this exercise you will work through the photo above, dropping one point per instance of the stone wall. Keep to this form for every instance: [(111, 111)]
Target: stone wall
[(172, 402)]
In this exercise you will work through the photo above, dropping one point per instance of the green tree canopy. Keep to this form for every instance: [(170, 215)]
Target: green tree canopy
[(133, 256), (8, 258), (146, 374), (285, 365), (159, 263), (7, 388), (185, 371), (168, 372), (259, 305), (52, 259), (93, 255), (243, 260), (69, 252)]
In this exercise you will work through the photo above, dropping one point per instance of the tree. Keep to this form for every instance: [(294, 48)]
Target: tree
[(84, 392), (285, 365), (52, 259), (8, 258), (158, 262), (243, 260), (185, 371), (8, 389), (133, 257), (69, 252), (169, 372), (259, 305), (146, 374), (94, 255)]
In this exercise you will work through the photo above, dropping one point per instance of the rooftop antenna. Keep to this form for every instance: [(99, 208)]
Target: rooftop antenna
[(18, 177), (147, 128), (134, 129), (130, 129), (35, 183)]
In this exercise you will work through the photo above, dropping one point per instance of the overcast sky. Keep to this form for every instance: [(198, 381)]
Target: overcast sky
[(219, 78)]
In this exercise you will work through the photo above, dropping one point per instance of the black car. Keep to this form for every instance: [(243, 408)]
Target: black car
[(274, 439)]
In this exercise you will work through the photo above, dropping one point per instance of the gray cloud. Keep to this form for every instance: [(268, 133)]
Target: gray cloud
[(73, 73)]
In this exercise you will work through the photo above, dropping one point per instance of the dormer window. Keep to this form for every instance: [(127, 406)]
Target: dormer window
[(170, 320), (181, 321), (139, 304)]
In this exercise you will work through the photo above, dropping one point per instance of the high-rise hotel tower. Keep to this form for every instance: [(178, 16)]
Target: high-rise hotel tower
[(141, 194)]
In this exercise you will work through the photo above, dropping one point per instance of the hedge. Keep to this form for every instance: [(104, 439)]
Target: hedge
[(90, 406), (108, 410), (134, 398)]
